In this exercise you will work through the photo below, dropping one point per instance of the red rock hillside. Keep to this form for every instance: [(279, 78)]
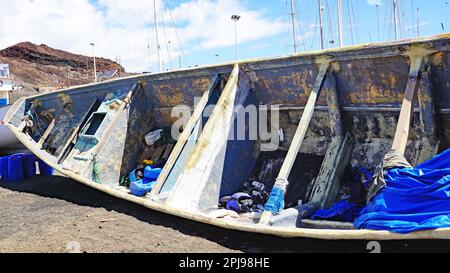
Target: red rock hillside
[(39, 67)]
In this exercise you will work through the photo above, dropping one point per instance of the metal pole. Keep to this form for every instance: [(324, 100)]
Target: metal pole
[(394, 3), (293, 25), (236, 40), (95, 64), (446, 13), (157, 37), (149, 53), (236, 18), (418, 23), (341, 42), (378, 23), (412, 18), (321, 24)]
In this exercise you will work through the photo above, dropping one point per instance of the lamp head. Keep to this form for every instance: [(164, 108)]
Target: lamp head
[(235, 17)]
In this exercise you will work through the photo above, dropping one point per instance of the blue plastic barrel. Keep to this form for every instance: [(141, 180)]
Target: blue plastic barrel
[(29, 165), (15, 168), (44, 169), (4, 168)]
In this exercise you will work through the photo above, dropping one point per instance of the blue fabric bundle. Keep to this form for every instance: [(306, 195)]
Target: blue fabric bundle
[(139, 188), (342, 211), (414, 199)]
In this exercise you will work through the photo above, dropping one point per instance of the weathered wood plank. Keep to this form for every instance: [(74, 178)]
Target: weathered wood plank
[(117, 116), (306, 223), (168, 151), (334, 109), (199, 185), (158, 153), (282, 179), (327, 183), (404, 121), (304, 124), (338, 154), (184, 137), (72, 138), (46, 134), (429, 143)]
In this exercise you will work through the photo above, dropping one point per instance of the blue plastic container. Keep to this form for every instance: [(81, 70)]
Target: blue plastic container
[(29, 165), (44, 169), (4, 168), (151, 173), (140, 189), (15, 168)]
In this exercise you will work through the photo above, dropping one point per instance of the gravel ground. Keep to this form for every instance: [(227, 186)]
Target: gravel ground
[(56, 214)]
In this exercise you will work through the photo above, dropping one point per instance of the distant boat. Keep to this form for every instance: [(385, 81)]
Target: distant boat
[(8, 142), (6, 84), (337, 107)]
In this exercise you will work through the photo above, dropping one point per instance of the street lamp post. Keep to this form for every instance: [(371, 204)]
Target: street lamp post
[(95, 64), (236, 18)]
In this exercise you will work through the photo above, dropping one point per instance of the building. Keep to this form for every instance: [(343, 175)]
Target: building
[(6, 84)]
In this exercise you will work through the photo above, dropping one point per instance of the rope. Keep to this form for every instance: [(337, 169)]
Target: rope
[(169, 57), (95, 171)]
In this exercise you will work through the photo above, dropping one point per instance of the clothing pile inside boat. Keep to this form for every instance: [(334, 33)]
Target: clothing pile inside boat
[(159, 145), (251, 198)]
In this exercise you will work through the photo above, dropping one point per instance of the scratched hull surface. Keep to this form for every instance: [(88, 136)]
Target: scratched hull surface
[(94, 133)]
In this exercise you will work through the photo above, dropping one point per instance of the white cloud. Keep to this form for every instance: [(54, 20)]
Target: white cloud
[(208, 23), (374, 2), (125, 28)]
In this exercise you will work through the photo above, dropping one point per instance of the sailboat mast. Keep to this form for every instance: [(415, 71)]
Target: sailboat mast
[(155, 13), (293, 25), (378, 22), (394, 5), (341, 43), (321, 23), (418, 23)]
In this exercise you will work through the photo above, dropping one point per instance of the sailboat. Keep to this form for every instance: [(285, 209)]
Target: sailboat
[(8, 142)]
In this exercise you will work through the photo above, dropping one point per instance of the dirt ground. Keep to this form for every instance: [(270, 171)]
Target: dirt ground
[(56, 214)]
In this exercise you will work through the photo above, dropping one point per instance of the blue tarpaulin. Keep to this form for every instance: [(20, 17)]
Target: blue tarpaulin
[(414, 199), (342, 211)]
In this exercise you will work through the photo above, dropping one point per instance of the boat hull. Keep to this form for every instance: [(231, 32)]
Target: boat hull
[(8, 141), (370, 80)]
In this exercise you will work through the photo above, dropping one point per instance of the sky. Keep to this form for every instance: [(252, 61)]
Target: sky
[(200, 32)]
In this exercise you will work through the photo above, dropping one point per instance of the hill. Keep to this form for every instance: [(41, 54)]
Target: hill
[(40, 68)]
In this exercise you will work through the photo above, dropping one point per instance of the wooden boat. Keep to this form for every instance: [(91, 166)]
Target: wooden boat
[(337, 107)]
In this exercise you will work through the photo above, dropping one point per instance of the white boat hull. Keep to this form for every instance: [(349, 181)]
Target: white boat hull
[(8, 142)]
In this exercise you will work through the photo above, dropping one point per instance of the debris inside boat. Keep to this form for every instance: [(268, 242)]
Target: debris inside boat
[(319, 144)]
